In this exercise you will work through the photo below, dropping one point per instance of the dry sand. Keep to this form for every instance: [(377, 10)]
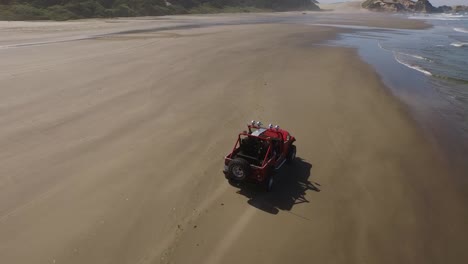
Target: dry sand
[(112, 150), (346, 7)]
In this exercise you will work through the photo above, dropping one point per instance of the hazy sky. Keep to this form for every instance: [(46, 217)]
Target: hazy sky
[(434, 2)]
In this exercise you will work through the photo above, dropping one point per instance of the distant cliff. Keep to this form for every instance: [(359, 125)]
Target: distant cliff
[(419, 6), (460, 8), (424, 6)]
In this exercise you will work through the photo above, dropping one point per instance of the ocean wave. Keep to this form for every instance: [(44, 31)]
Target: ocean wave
[(452, 79), (415, 56), (434, 18), (381, 47), (451, 15), (405, 54), (411, 66), (447, 17), (462, 30), (459, 44)]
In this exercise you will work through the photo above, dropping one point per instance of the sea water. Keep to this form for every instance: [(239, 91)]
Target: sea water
[(427, 69)]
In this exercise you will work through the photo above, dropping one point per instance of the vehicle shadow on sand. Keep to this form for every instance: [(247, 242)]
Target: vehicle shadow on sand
[(290, 188)]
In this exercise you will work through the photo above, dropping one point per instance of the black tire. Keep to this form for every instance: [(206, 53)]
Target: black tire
[(268, 184), (291, 155), (238, 169)]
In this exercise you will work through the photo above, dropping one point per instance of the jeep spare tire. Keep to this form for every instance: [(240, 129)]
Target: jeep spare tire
[(238, 169)]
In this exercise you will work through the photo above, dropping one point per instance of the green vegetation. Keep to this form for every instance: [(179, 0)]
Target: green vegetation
[(74, 9)]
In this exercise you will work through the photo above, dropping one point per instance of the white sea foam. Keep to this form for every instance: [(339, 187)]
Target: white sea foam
[(462, 30), (459, 44), (402, 53), (432, 18), (381, 47), (451, 15), (415, 56), (414, 67), (447, 17)]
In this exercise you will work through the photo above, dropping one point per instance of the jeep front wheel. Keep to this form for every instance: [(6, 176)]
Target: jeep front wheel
[(268, 184), (292, 154)]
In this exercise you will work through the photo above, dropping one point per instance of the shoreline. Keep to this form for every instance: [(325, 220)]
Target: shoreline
[(414, 88), (119, 141)]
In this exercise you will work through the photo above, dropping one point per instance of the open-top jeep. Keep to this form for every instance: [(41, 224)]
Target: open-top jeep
[(258, 154)]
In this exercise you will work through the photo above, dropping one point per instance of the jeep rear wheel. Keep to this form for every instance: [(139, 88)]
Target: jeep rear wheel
[(238, 169)]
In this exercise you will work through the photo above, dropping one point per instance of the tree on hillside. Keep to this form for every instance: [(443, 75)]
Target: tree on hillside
[(70, 9)]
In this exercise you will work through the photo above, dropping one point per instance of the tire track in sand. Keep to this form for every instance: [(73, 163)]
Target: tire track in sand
[(231, 236)]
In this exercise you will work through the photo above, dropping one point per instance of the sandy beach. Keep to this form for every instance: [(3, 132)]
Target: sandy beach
[(112, 147)]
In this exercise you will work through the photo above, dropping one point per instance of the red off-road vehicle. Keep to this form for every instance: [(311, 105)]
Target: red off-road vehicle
[(258, 154)]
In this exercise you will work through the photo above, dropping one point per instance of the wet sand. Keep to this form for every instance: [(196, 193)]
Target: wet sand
[(112, 150)]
